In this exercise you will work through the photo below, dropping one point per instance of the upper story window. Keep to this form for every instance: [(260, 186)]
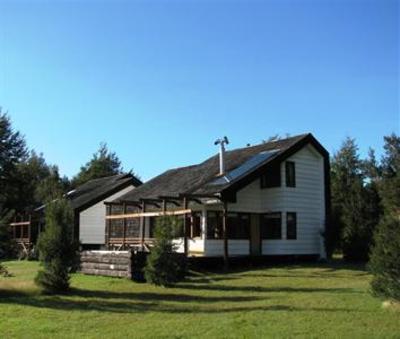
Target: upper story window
[(271, 225), (272, 177), (290, 174)]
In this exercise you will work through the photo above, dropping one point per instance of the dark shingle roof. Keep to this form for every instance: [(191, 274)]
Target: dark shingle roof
[(98, 189), (201, 179)]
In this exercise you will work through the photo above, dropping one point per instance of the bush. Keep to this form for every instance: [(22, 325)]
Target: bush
[(57, 248), (385, 260), (164, 266)]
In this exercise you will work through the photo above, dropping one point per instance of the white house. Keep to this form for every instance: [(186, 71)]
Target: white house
[(269, 199)]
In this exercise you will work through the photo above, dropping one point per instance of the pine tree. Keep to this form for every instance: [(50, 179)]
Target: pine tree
[(385, 256), (164, 267), (12, 152), (385, 259), (104, 163), (7, 245), (349, 205), (57, 248)]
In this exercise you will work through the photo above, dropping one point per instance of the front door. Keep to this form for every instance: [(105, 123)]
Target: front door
[(255, 239)]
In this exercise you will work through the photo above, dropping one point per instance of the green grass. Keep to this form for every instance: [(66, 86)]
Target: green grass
[(311, 301)]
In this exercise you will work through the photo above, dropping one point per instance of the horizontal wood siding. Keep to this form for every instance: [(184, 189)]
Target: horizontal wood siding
[(306, 199), (92, 222), (215, 247)]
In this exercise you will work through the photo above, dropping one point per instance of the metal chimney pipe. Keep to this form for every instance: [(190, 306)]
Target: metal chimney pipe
[(222, 142)]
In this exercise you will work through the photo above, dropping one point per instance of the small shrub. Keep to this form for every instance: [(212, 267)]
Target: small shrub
[(4, 272), (57, 249), (385, 260), (164, 266)]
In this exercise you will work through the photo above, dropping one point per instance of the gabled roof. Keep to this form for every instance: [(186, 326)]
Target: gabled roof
[(97, 190), (203, 179)]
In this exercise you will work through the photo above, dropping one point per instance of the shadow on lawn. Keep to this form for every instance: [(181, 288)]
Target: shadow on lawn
[(138, 306), (266, 289)]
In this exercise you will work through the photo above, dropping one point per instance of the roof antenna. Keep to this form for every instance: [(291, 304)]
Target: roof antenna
[(222, 142)]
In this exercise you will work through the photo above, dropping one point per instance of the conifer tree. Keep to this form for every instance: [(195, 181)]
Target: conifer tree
[(385, 256), (104, 163), (349, 202), (57, 248), (164, 267)]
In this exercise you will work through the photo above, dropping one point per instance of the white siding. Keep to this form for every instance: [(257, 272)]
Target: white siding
[(92, 222), (215, 247), (306, 199)]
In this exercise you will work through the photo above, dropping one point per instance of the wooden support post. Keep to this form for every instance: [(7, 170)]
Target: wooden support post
[(124, 227), (30, 229), (225, 235), (108, 225), (143, 224), (164, 206), (185, 231)]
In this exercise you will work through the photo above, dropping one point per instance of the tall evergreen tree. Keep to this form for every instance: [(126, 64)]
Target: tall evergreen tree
[(385, 256), (57, 248), (103, 163), (348, 202), (7, 245), (13, 151)]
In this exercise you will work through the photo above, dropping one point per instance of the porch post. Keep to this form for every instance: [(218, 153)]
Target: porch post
[(30, 228), (225, 235), (108, 225), (185, 231), (142, 223), (124, 226)]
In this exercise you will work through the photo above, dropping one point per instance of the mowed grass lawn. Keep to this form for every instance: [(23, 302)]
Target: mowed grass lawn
[(310, 300)]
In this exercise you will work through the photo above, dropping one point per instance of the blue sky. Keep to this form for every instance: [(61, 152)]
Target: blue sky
[(159, 81)]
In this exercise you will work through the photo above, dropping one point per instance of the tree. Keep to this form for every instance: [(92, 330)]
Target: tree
[(164, 266), (385, 256), (57, 248), (390, 184), (7, 245), (385, 259), (353, 231), (103, 163), (52, 186), (12, 152)]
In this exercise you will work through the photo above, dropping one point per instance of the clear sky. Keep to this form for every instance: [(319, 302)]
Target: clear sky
[(159, 81)]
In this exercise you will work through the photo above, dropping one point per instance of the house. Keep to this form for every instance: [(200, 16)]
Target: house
[(87, 202), (269, 199)]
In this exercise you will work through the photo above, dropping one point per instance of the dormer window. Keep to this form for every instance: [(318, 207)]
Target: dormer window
[(290, 174)]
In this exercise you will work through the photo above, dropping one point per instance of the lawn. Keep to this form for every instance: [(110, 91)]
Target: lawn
[(311, 300)]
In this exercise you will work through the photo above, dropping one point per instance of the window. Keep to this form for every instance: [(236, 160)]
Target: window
[(291, 225), (152, 227), (238, 226), (272, 177), (290, 174), (196, 225), (271, 226), (214, 225)]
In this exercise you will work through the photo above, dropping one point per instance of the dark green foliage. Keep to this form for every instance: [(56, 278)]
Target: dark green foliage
[(385, 260), (57, 249), (164, 266), (7, 245), (12, 152), (104, 163), (351, 213)]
